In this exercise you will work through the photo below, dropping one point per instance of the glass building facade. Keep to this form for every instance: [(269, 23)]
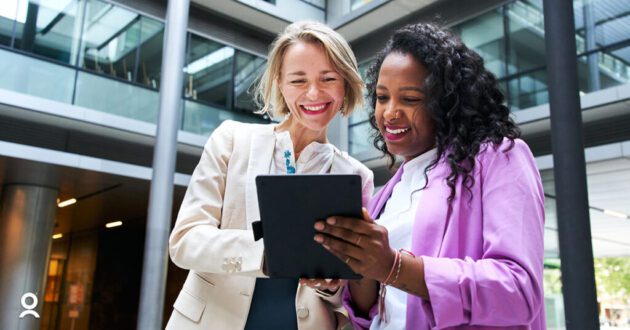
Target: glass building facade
[(511, 40), (102, 56)]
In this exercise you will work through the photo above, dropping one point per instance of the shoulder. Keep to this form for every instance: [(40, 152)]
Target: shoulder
[(231, 129), (233, 125), (505, 150), (510, 156)]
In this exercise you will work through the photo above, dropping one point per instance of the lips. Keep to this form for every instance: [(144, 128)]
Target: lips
[(393, 133), (315, 108)]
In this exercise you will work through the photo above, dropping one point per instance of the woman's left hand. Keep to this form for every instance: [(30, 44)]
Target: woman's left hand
[(360, 243)]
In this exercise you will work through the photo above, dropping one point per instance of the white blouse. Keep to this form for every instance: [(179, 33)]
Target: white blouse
[(316, 158), (397, 217)]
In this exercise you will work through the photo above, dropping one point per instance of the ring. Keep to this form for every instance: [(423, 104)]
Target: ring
[(358, 240), (347, 260)]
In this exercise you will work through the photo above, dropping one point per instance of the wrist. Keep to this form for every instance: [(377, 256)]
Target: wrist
[(389, 272)]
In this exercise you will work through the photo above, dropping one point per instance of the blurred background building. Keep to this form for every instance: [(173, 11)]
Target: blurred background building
[(79, 83)]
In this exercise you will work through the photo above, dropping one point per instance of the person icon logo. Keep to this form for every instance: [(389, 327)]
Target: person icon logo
[(29, 307)]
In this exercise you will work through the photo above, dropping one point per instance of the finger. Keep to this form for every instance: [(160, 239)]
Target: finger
[(366, 215), (344, 248), (356, 225), (348, 260), (341, 233)]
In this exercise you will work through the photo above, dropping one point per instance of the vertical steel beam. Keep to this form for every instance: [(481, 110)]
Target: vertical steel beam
[(576, 252), (161, 195)]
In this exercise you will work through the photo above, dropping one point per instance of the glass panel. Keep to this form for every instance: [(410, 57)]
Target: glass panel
[(528, 90), (526, 36), (150, 55), (110, 39), (209, 71), (35, 77), (317, 3), (116, 97), (604, 69), (9, 10), (203, 119), (608, 21), (356, 4), (360, 139), (248, 69), (49, 28), (360, 115), (485, 35)]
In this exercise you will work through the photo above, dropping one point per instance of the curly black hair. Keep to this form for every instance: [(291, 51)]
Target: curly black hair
[(461, 96)]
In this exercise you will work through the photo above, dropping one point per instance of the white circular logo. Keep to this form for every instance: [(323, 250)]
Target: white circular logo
[(29, 307)]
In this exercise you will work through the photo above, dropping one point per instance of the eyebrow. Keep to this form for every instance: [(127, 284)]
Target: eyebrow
[(302, 73), (405, 88), (411, 88)]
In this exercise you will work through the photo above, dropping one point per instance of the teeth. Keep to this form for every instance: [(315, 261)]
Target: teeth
[(317, 108), (396, 131)]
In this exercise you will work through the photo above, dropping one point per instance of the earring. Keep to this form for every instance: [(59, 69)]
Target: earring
[(342, 109)]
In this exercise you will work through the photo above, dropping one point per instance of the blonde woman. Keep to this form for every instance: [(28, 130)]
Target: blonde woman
[(311, 77)]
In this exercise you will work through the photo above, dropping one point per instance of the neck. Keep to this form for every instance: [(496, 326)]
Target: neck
[(301, 135)]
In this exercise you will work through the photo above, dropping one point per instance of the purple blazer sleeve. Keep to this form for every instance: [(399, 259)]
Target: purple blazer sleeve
[(502, 285), (357, 322)]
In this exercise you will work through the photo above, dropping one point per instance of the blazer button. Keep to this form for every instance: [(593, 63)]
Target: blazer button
[(302, 312)]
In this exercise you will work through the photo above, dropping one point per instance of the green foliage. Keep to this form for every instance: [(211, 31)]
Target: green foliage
[(612, 276)]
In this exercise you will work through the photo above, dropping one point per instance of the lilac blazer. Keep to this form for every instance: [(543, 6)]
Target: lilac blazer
[(483, 257)]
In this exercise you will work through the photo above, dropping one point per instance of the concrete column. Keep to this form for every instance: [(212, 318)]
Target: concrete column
[(26, 223), (155, 263)]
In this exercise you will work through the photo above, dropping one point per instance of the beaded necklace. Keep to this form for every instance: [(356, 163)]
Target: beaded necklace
[(288, 160)]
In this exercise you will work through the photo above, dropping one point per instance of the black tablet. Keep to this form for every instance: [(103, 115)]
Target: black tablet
[(289, 207)]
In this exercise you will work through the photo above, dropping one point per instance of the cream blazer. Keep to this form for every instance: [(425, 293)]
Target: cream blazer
[(212, 236)]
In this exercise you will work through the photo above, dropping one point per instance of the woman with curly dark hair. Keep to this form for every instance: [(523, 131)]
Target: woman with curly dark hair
[(458, 235)]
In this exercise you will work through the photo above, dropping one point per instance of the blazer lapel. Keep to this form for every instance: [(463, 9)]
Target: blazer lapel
[(380, 199), (260, 154), (433, 213)]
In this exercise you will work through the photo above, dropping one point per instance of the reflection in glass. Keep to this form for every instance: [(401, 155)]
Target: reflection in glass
[(485, 35), (28, 75), (612, 69), (356, 4), (9, 10), (49, 28), (528, 90), (116, 97), (209, 71), (203, 119), (526, 40), (110, 38), (150, 53), (248, 69)]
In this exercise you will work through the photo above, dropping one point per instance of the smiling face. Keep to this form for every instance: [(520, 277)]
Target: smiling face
[(400, 115), (311, 86)]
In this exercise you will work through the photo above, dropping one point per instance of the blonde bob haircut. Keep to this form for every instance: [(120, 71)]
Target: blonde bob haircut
[(268, 95)]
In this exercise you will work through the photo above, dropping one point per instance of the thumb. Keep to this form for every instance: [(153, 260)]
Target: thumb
[(366, 215)]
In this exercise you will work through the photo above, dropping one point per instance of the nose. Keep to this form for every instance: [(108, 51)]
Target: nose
[(391, 112), (313, 92)]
